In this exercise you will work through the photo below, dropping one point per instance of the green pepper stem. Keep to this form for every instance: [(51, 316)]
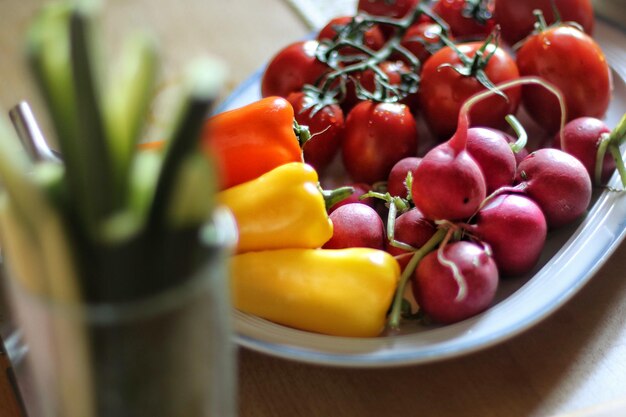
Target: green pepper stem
[(396, 307), (332, 197), (302, 133)]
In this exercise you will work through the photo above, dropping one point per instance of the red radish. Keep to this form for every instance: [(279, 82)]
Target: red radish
[(411, 228), (558, 182), (515, 229), (448, 184), (455, 282), (426, 186), (581, 137), (359, 190), (356, 225), (396, 182), (492, 152)]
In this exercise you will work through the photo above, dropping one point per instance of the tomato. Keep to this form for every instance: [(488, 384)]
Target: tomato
[(418, 34), (443, 90), (393, 8), (572, 61), (394, 71), (376, 136), (292, 68), (516, 17), (325, 125), (373, 38), (462, 25)]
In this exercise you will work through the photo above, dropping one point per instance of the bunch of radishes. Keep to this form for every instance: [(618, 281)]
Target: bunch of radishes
[(476, 205)]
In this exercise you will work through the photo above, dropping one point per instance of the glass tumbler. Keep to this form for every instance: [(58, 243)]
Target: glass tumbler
[(167, 355)]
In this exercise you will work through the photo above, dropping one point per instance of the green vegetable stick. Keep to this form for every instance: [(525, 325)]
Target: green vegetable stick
[(204, 83), (127, 104)]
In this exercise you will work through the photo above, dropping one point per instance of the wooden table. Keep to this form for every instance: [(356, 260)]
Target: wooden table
[(573, 360)]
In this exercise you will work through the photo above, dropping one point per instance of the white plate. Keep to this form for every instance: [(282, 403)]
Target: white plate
[(571, 258)]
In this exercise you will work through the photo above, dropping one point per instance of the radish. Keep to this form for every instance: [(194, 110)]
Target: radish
[(582, 138), (515, 229), (455, 282), (356, 225), (396, 181), (491, 150), (557, 182), (411, 228), (448, 183)]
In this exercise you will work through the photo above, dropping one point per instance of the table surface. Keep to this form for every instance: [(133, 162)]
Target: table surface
[(573, 360)]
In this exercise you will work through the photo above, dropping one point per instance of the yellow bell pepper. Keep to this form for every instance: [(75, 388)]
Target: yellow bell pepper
[(341, 292), (283, 208)]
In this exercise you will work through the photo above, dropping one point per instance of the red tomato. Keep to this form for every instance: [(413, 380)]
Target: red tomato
[(428, 32), (393, 70), (516, 18), (325, 125), (376, 136), (443, 90), (397, 8), (373, 38), (292, 68), (461, 26), (572, 61)]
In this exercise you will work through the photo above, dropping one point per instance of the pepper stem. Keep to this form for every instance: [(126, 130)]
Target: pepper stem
[(302, 133), (332, 197)]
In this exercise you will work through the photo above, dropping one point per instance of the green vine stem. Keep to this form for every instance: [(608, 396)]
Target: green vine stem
[(368, 59)]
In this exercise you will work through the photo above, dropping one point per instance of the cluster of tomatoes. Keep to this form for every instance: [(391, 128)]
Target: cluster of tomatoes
[(374, 86)]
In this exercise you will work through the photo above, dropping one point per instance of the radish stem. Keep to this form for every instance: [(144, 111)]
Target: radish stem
[(520, 132), (396, 306), (459, 139)]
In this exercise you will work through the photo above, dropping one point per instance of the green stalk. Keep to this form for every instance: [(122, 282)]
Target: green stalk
[(334, 196), (619, 163), (94, 171), (520, 132), (127, 105), (396, 306), (205, 81), (612, 142)]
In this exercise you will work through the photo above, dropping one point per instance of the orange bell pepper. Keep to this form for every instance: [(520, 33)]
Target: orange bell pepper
[(251, 140)]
